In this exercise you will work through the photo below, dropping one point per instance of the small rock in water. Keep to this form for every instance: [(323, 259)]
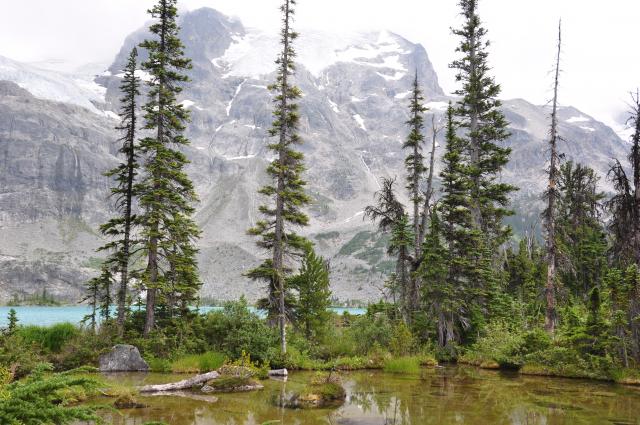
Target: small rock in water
[(123, 358), (207, 389)]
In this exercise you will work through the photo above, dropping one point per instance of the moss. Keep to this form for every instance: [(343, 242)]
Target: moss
[(233, 384), (323, 391)]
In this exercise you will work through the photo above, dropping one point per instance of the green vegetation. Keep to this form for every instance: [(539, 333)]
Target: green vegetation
[(198, 363), (402, 365), (45, 399)]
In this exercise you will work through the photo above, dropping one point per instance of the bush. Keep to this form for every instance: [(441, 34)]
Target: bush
[(367, 331), (402, 342), (236, 329), (403, 365)]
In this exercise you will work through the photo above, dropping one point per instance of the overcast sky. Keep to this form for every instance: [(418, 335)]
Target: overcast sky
[(600, 60)]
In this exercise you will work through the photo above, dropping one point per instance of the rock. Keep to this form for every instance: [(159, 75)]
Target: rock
[(232, 384), (123, 358), (207, 389), (279, 372)]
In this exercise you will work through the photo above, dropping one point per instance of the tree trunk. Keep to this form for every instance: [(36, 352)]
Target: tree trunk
[(550, 287), (124, 264), (278, 248)]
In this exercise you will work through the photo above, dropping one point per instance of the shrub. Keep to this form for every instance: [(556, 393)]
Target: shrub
[(236, 329), (37, 398), (402, 365), (402, 342), (366, 331)]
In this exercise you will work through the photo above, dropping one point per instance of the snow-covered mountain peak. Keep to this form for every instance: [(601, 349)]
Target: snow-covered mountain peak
[(79, 90), (252, 54)]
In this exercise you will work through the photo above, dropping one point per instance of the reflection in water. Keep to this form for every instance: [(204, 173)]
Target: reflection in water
[(451, 395)]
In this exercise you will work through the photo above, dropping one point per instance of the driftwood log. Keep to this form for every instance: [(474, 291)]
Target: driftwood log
[(185, 384), (184, 394)]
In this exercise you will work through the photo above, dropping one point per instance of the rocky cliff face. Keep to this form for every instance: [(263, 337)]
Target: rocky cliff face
[(354, 107)]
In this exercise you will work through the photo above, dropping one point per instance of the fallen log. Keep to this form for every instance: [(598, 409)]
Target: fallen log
[(185, 384), (279, 372), (184, 394)]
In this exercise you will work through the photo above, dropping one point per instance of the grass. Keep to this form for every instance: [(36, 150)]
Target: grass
[(51, 338), (198, 363), (403, 365)]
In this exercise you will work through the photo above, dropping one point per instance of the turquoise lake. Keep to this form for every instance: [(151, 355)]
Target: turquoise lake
[(46, 316)]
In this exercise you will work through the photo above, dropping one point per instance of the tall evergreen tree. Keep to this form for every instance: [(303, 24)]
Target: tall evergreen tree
[(552, 198), (459, 237), (166, 193), (119, 229), (580, 231), (485, 129), (414, 161), (287, 189)]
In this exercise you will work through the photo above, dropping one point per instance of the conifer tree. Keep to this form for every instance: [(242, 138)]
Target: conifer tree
[(12, 322), (624, 206), (479, 114), (92, 298), (400, 244), (286, 191), (580, 232), (120, 228), (388, 211), (438, 295), (314, 295), (414, 161), (552, 198), (166, 193), (460, 239)]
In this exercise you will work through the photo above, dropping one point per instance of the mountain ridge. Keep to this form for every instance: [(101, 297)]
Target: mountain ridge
[(353, 116)]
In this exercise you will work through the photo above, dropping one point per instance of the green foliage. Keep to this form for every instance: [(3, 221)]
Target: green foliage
[(312, 284), (165, 193), (235, 330), (402, 342), (40, 399), (286, 191), (12, 320)]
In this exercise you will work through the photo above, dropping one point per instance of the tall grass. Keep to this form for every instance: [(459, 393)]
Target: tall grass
[(402, 365), (198, 363), (51, 338)]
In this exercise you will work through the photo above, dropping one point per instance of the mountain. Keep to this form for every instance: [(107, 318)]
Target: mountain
[(353, 111)]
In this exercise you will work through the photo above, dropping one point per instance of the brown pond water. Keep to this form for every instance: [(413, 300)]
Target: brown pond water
[(449, 395)]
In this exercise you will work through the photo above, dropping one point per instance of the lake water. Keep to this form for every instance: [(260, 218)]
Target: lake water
[(46, 316), (448, 395)]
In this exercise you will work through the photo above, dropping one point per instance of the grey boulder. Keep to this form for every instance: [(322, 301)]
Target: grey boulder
[(123, 358)]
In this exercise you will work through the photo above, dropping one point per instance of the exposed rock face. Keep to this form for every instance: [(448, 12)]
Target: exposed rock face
[(52, 155), (123, 358)]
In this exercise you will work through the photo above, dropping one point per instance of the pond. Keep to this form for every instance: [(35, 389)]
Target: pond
[(47, 316), (444, 395)]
